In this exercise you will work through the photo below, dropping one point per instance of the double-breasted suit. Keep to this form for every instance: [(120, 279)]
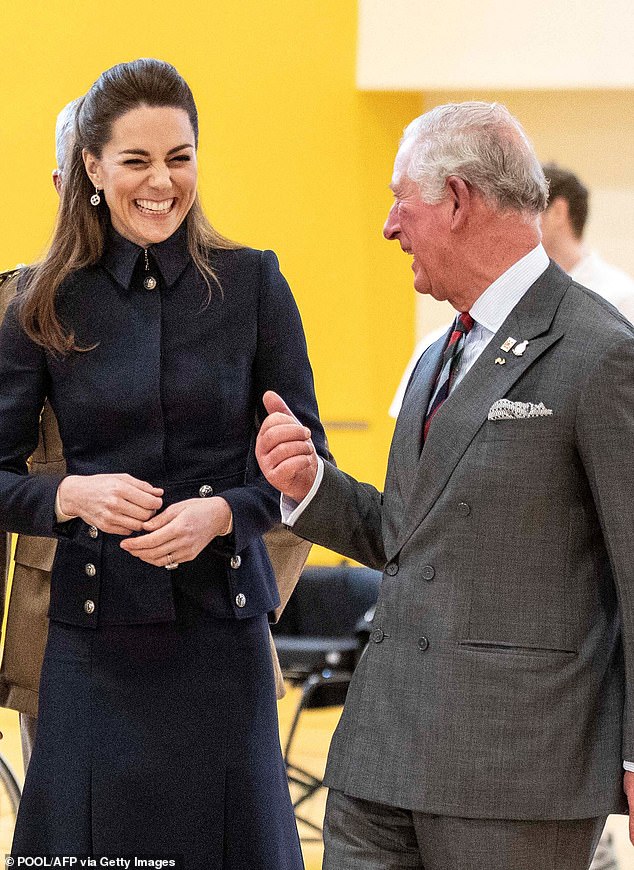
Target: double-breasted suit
[(157, 686), (498, 678)]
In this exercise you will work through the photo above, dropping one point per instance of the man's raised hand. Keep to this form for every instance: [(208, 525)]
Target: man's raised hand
[(284, 450)]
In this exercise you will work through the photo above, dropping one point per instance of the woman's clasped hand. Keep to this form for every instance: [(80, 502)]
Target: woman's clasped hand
[(114, 503), (181, 531)]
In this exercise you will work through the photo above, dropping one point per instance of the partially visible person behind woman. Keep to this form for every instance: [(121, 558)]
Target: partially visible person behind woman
[(153, 337)]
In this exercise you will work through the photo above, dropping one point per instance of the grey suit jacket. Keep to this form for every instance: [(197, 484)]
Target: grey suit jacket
[(494, 683)]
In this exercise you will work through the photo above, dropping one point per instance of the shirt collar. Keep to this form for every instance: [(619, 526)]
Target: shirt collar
[(492, 308), (120, 256)]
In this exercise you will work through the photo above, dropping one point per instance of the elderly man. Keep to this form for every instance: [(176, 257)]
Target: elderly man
[(489, 719), (563, 226)]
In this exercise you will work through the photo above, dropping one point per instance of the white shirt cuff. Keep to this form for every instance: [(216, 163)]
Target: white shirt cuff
[(61, 516), (290, 509), (628, 765)]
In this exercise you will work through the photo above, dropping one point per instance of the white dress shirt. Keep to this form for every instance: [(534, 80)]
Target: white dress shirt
[(492, 307)]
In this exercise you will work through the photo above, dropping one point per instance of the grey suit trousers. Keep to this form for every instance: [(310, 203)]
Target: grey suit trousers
[(363, 835)]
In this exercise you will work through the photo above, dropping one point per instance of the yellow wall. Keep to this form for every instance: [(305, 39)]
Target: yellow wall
[(292, 157)]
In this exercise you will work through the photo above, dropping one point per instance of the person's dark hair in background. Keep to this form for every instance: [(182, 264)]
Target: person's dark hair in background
[(566, 185), (563, 227)]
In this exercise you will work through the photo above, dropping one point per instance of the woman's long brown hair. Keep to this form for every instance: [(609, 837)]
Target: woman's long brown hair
[(80, 229)]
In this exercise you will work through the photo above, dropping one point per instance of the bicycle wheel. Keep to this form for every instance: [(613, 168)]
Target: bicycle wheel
[(9, 800)]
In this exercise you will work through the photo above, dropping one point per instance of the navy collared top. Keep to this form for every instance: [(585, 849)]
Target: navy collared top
[(169, 392)]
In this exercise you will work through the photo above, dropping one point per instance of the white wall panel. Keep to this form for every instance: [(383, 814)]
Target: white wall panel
[(443, 44)]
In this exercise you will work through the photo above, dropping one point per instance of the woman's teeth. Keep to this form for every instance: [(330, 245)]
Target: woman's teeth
[(150, 205)]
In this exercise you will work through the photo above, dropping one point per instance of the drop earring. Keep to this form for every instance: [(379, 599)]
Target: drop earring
[(95, 199)]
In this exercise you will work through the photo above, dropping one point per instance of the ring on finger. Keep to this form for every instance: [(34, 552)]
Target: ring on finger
[(170, 565)]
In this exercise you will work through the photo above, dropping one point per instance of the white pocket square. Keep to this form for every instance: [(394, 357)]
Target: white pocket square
[(504, 409)]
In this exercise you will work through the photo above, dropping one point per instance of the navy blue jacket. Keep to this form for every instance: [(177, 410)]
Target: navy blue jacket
[(170, 394)]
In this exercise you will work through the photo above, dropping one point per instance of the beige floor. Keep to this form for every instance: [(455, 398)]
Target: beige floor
[(12, 753), (312, 740), (618, 826), (312, 743)]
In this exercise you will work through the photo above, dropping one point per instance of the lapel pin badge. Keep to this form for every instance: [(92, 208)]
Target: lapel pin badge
[(500, 361), (508, 344), (519, 349)]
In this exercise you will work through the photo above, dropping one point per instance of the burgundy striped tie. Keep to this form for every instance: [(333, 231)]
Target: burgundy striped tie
[(450, 359)]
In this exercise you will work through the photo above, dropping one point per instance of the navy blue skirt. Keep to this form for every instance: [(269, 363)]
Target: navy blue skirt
[(160, 740)]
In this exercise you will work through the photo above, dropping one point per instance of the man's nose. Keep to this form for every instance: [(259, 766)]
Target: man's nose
[(391, 227)]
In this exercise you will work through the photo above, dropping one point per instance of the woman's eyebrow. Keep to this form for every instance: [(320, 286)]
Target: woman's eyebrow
[(143, 153)]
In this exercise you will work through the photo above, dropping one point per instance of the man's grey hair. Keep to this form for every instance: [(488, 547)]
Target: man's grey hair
[(64, 128), (485, 146)]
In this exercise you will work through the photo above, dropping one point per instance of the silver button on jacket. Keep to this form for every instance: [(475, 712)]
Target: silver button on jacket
[(170, 395)]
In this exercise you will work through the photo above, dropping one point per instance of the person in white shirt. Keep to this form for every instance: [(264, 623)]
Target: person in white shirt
[(563, 224)]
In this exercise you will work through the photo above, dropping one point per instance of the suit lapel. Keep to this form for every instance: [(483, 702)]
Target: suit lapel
[(406, 444), (457, 422)]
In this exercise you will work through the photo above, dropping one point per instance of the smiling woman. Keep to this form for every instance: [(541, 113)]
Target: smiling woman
[(135, 129), (147, 172), (154, 338)]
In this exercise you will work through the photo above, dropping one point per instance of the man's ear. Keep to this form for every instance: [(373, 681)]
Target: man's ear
[(459, 201), (93, 167)]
